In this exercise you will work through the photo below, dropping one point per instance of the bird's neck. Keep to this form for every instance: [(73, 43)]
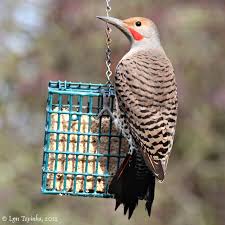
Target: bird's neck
[(147, 43)]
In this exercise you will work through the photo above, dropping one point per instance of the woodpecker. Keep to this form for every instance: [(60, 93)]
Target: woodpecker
[(146, 112)]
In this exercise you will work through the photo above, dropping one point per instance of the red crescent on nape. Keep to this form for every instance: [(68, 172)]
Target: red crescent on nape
[(137, 36)]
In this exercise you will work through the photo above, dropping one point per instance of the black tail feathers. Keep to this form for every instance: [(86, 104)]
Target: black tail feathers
[(150, 194), (131, 183)]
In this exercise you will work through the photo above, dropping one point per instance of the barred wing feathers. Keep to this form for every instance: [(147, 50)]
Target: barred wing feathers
[(146, 92)]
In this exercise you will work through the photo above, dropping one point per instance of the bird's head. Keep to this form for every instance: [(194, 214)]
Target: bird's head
[(137, 29)]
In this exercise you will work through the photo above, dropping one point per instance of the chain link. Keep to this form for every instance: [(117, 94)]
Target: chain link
[(108, 31)]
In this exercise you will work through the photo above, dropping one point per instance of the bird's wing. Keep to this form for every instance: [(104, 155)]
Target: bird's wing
[(147, 94)]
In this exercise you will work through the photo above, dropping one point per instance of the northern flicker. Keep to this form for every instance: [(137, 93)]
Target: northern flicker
[(146, 112)]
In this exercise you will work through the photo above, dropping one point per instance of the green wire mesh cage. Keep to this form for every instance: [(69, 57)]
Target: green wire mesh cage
[(81, 152)]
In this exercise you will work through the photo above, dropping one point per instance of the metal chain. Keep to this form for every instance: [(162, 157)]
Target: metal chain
[(108, 31)]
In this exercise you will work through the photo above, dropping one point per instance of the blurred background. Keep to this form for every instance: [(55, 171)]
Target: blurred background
[(44, 40)]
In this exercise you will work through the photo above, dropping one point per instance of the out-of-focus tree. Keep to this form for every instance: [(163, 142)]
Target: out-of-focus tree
[(44, 40)]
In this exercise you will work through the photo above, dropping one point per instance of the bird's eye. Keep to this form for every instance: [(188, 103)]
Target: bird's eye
[(138, 23)]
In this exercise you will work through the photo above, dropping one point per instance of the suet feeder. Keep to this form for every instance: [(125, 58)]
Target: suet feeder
[(81, 152)]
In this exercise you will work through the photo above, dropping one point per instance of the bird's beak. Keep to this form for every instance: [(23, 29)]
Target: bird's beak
[(117, 23)]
